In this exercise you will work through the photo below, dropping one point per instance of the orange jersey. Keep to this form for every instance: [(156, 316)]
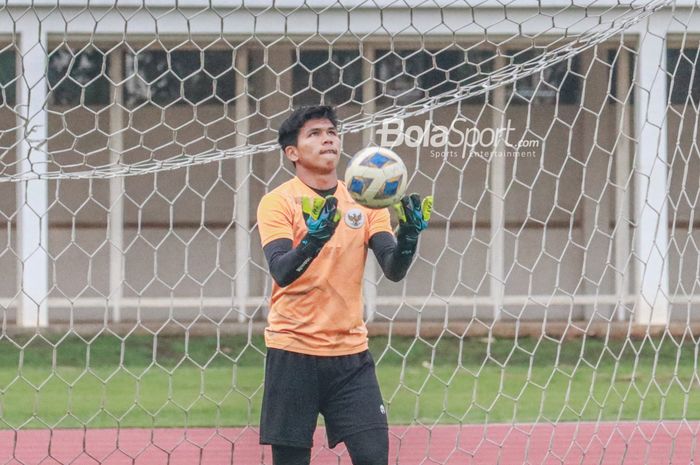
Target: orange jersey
[(320, 313)]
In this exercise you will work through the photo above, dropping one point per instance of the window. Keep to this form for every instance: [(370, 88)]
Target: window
[(613, 59), (408, 75), (684, 75), (8, 73), (556, 83), (331, 76), (78, 77), (182, 77)]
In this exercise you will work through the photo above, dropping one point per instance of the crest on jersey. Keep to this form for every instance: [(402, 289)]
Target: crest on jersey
[(354, 218)]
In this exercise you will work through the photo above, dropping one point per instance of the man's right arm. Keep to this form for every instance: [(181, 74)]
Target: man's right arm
[(286, 263)]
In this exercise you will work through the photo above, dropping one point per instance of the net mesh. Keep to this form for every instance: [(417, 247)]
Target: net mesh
[(161, 74), (550, 315)]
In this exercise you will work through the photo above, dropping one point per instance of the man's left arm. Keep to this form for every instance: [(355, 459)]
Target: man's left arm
[(395, 254)]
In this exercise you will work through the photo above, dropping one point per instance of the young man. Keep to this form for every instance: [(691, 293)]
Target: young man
[(315, 240)]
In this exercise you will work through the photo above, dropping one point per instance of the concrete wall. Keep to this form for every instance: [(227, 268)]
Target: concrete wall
[(179, 225)]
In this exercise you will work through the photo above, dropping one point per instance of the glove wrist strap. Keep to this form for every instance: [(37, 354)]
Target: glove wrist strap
[(407, 240), (310, 246)]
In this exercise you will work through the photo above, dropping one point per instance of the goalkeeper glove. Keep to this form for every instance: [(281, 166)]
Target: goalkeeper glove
[(413, 218), (322, 217)]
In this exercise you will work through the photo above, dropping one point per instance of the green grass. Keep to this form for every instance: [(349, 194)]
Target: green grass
[(168, 381)]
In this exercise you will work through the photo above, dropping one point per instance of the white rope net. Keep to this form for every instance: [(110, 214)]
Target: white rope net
[(559, 139)]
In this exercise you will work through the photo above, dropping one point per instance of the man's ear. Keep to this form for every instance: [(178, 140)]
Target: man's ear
[(291, 153)]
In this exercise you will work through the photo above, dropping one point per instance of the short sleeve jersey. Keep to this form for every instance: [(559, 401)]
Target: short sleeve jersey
[(320, 313)]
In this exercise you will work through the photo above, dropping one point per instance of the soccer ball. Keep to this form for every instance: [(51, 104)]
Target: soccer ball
[(376, 177)]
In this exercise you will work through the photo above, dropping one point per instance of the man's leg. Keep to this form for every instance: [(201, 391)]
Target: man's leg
[(369, 447), (290, 403), (353, 408), (285, 455)]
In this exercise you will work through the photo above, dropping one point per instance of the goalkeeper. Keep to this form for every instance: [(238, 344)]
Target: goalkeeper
[(315, 240)]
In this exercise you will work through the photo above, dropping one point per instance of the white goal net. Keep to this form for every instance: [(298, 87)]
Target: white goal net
[(550, 315)]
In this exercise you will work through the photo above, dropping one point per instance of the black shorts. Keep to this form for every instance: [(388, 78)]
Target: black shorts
[(344, 389)]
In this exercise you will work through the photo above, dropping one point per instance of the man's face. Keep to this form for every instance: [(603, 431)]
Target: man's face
[(318, 147)]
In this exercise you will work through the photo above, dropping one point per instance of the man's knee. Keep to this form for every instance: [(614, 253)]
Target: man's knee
[(285, 455), (369, 447)]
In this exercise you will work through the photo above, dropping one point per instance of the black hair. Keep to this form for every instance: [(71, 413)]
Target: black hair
[(288, 133)]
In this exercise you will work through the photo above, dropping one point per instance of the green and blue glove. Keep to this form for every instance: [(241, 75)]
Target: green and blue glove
[(414, 216), (322, 217)]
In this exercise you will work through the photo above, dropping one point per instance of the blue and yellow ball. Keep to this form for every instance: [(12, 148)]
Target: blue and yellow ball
[(376, 177)]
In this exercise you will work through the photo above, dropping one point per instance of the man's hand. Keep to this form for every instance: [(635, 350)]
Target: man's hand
[(413, 218), (322, 217)]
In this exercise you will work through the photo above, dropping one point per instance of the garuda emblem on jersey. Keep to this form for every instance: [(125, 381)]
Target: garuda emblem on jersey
[(354, 218)]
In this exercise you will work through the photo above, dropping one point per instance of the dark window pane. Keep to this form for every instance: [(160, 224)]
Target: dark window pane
[(76, 77), (406, 75), (613, 60), (330, 76), (180, 77), (397, 73), (684, 75), (8, 73), (556, 83), (454, 68)]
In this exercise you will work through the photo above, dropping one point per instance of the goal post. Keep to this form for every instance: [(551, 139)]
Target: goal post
[(557, 285)]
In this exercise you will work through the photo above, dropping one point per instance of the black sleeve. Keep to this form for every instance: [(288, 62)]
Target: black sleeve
[(393, 258), (286, 264)]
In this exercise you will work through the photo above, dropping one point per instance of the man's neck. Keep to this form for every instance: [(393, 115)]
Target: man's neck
[(326, 192), (320, 182)]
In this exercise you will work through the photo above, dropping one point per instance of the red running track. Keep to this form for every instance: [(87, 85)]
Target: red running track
[(668, 442)]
